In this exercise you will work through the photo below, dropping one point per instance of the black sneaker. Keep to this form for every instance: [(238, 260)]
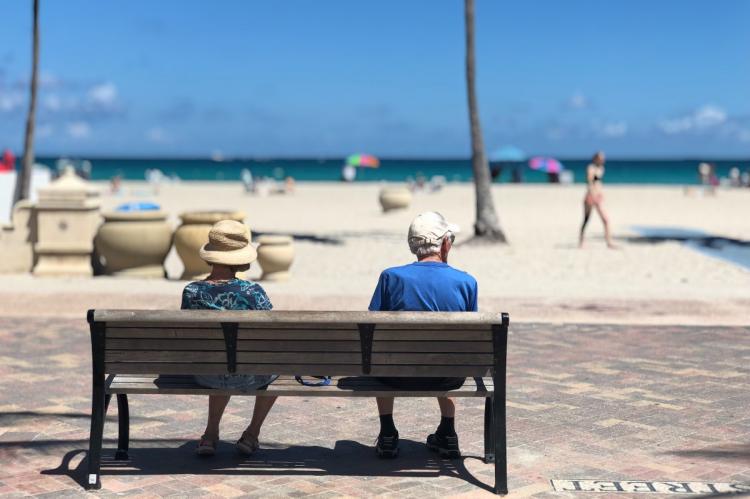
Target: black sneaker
[(387, 446), (446, 445)]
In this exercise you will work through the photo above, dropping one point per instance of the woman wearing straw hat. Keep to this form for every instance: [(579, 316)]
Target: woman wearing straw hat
[(229, 251)]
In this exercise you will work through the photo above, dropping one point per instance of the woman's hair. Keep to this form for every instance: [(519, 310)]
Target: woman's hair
[(597, 156)]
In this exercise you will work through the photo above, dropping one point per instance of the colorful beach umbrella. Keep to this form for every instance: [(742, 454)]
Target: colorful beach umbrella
[(543, 164), (363, 160), (506, 154)]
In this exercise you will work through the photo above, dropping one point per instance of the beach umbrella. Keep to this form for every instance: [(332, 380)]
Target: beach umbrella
[(547, 165), (363, 160), (506, 154)]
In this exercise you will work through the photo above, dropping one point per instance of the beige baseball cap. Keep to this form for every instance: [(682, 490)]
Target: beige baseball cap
[(429, 227)]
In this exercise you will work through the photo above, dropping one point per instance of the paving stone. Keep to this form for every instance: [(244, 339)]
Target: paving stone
[(584, 402)]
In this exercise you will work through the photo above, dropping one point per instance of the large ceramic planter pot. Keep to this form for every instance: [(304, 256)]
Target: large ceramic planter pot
[(192, 234), (395, 198), (275, 256), (134, 244)]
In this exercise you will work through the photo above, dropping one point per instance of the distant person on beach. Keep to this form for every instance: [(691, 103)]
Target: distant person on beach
[(115, 184), (516, 175), (595, 198), (229, 251), (348, 173), (427, 284), (496, 170), (8, 163), (247, 180)]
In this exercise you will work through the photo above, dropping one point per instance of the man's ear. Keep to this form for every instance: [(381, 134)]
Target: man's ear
[(445, 247)]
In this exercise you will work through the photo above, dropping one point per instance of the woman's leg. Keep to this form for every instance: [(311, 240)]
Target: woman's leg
[(605, 222), (586, 215), (262, 407), (216, 406)]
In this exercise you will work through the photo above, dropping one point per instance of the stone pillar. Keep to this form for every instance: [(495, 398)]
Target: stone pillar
[(17, 239), (67, 219)]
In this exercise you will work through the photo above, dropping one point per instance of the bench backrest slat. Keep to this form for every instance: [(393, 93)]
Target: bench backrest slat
[(401, 344)]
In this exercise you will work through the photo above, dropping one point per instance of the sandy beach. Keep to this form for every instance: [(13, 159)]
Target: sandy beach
[(343, 241)]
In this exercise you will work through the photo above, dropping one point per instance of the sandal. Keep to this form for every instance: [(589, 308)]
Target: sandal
[(206, 446), (247, 444)]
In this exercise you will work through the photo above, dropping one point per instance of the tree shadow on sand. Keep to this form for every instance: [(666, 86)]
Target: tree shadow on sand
[(347, 458)]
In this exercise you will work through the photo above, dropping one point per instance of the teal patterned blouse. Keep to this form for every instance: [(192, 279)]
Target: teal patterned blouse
[(235, 294)]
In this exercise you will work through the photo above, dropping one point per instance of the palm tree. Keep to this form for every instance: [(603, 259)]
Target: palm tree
[(486, 227), (23, 181)]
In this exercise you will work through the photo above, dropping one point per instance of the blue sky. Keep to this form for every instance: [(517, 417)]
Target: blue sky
[(300, 78)]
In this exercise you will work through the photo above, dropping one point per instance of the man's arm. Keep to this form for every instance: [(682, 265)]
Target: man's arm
[(473, 302), (379, 299)]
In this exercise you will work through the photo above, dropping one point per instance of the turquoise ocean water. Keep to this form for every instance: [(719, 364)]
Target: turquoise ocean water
[(618, 171)]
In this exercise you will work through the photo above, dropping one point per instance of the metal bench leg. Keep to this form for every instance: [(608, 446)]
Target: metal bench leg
[(500, 353), (498, 423), (123, 428), (98, 411), (489, 446)]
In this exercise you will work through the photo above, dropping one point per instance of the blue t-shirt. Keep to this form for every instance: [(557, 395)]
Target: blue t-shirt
[(428, 286)]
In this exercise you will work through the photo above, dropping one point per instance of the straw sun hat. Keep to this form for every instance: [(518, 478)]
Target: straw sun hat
[(229, 244)]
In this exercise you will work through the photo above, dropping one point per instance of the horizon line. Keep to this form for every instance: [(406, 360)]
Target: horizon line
[(229, 158)]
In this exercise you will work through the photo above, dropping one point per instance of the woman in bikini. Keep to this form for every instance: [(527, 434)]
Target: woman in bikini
[(594, 197)]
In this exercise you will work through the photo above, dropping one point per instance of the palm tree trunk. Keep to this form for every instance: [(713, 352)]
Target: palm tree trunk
[(23, 181), (486, 226)]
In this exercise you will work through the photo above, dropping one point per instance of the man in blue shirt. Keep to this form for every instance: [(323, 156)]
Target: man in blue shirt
[(429, 284)]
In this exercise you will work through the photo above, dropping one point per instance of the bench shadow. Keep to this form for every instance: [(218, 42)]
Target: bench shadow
[(10, 417), (347, 458)]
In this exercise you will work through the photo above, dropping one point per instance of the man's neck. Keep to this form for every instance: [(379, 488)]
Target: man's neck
[(431, 258)]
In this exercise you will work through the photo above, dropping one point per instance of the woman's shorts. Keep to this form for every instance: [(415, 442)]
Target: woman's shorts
[(423, 383)]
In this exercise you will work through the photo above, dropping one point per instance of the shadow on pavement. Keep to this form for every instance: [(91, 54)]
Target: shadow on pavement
[(10, 417), (739, 451), (347, 458)]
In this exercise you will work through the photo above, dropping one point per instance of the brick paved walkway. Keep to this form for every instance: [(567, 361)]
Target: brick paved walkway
[(584, 402)]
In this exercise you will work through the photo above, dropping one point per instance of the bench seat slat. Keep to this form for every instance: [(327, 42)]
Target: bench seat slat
[(481, 359), (287, 386), (291, 369)]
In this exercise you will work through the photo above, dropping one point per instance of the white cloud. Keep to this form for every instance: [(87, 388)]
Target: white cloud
[(704, 118), (44, 131), (578, 101), (52, 102), (556, 133), (744, 135), (614, 129), (79, 130), (49, 80), (157, 135), (709, 116), (104, 94), (10, 101)]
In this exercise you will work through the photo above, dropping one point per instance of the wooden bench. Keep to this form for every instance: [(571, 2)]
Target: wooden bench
[(158, 352)]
